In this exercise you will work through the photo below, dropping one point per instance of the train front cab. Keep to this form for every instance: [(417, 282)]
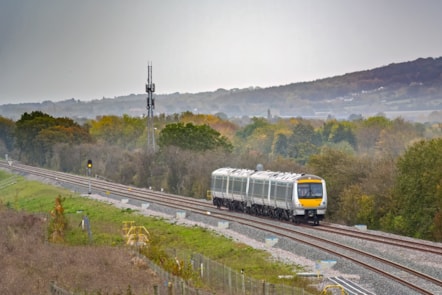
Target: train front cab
[(310, 200)]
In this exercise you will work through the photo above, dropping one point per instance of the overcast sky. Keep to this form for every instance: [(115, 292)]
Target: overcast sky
[(62, 49)]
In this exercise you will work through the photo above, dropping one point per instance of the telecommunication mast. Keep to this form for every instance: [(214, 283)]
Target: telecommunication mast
[(150, 89)]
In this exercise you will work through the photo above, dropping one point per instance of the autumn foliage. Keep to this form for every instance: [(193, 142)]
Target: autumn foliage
[(58, 222), (369, 164)]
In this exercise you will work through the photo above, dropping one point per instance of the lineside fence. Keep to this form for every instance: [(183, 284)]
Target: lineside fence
[(220, 278), (56, 290), (230, 282)]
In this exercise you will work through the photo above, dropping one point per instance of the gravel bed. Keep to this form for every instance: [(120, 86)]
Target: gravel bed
[(291, 252)]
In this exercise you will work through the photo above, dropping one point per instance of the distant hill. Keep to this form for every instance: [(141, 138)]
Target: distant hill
[(412, 90)]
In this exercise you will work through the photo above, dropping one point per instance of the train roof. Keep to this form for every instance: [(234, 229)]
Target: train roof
[(232, 171), (282, 176)]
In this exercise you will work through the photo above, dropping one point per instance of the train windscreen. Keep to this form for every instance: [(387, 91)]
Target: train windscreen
[(309, 190)]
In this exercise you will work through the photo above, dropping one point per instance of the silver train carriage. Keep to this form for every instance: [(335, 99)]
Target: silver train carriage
[(281, 195)]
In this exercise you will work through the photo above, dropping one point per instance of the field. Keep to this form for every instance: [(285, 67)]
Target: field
[(101, 263), (29, 263)]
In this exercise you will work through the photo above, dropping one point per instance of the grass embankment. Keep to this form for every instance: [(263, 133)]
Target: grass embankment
[(107, 221)]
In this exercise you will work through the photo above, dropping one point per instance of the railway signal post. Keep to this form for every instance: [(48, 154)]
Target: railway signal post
[(89, 168)]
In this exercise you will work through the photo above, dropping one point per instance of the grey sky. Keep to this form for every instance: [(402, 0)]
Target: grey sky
[(62, 49)]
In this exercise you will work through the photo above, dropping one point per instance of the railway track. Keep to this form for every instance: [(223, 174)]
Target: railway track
[(388, 240), (413, 279)]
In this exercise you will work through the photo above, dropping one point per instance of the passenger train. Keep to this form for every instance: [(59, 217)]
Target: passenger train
[(281, 195)]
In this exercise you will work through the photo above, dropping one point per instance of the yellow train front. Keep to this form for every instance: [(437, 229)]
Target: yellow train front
[(281, 195)]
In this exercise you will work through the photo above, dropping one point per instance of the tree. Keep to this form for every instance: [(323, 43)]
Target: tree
[(378, 184), (368, 131), (191, 137), (37, 133), (7, 129), (340, 171), (336, 132), (417, 189), (303, 143), (188, 172), (436, 227), (280, 145), (122, 131), (349, 206), (27, 129), (356, 207), (249, 129), (396, 137), (256, 137)]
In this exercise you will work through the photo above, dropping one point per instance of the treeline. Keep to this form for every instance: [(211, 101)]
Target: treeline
[(380, 172)]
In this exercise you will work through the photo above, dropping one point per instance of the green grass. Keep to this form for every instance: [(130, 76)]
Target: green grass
[(107, 222)]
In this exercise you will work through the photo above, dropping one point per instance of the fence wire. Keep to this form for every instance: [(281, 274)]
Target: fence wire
[(219, 279), (230, 282)]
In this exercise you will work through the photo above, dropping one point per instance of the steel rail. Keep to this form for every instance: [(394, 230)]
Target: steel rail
[(423, 247)]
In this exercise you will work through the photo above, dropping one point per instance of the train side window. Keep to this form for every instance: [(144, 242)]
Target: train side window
[(265, 189), (220, 183), (237, 185), (281, 190), (257, 187), (273, 190)]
